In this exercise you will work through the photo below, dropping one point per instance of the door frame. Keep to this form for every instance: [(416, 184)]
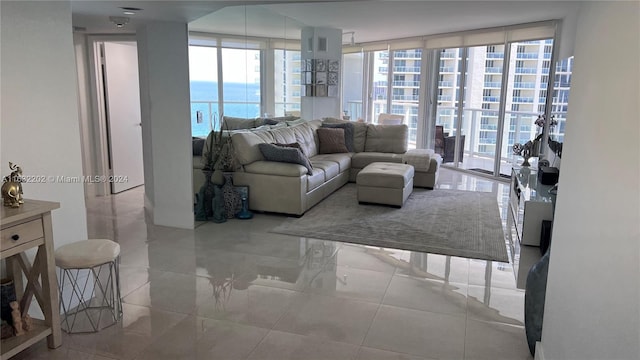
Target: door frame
[(98, 104)]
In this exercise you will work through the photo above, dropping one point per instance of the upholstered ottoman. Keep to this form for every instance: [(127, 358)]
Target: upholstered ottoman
[(385, 183)]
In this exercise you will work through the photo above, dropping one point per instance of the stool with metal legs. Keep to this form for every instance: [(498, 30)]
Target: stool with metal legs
[(89, 285)]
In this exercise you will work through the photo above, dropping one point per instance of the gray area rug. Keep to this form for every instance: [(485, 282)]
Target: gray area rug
[(448, 222)]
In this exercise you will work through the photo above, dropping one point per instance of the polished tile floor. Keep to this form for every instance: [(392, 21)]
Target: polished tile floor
[(236, 291)]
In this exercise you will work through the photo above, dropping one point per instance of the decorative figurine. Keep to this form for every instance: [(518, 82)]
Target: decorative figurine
[(17, 319), (26, 322), (12, 187)]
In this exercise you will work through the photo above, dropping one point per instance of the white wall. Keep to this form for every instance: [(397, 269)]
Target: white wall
[(592, 306), (166, 128), (40, 129)]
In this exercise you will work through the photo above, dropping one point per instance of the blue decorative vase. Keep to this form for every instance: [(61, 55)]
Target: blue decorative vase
[(534, 296), (244, 214)]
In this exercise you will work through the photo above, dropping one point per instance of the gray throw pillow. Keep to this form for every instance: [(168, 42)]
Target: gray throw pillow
[(331, 141), (348, 134), (291, 155)]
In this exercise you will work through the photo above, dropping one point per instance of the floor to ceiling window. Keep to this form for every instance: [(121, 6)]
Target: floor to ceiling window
[(203, 81), (287, 72), (241, 82), (352, 85)]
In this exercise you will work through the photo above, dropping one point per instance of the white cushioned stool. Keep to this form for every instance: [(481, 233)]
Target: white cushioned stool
[(385, 183), (90, 269)]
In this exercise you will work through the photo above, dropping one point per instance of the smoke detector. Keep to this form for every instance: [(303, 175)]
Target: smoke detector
[(119, 21)]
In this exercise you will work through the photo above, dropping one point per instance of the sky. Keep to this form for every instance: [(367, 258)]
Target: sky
[(239, 66)]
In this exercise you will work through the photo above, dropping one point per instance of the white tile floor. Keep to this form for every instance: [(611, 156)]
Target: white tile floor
[(236, 291)]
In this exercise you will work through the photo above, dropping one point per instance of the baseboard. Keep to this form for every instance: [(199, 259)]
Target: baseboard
[(539, 351)]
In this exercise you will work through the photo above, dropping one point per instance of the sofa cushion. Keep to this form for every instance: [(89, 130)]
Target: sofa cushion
[(291, 155), (348, 133), (245, 144), (275, 168), (343, 160), (359, 132), (305, 136), (331, 169), (387, 138), (235, 123), (360, 160), (331, 141)]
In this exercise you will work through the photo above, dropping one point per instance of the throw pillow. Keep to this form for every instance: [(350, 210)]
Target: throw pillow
[(331, 141), (291, 155), (291, 145), (348, 133), (270, 122)]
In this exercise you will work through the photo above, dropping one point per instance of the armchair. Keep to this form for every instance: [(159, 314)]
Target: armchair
[(445, 145)]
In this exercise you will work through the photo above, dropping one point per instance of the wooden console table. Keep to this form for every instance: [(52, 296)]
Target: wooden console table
[(24, 228)]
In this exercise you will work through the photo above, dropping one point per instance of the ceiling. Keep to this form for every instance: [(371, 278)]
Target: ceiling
[(370, 20)]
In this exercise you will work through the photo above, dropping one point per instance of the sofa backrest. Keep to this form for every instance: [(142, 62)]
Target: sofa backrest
[(359, 132), (245, 143), (387, 138), (236, 123)]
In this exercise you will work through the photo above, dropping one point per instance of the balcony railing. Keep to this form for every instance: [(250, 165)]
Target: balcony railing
[(491, 98), (522, 99), (406, 83), (408, 69), (493, 70), (446, 69), (495, 55), (448, 55), (445, 83), (492, 84), (445, 97), (405, 97), (526, 70), (527, 55), (519, 127), (524, 85), (407, 55)]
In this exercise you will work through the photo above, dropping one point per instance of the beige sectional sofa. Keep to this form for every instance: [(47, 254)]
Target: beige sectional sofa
[(288, 188)]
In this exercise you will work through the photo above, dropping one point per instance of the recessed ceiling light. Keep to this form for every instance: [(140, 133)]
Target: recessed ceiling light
[(128, 12)]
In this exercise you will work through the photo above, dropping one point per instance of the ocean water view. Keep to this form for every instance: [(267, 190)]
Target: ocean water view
[(241, 100)]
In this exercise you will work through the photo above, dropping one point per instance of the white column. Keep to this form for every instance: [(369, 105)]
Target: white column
[(39, 112), (592, 308), (166, 129)]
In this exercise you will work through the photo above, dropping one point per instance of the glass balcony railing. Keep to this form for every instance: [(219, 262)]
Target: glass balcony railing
[(445, 83), (407, 69), (382, 69), (491, 98), (522, 99), (526, 70), (445, 97), (406, 83), (492, 84), (494, 55), (405, 97), (448, 55), (407, 55), (493, 70), (524, 85), (527, 55), (446, 69), (519, 127)]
